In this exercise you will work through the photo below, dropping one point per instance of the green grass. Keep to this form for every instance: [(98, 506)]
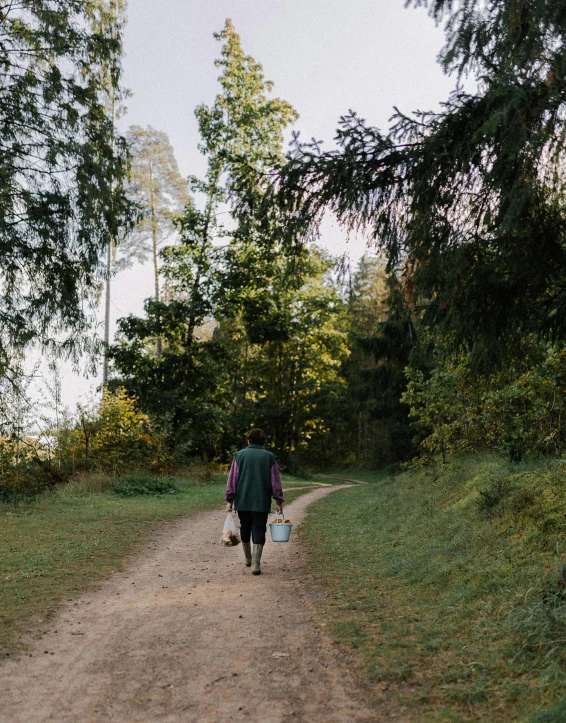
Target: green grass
[(291, 495), (64, 541), (450, 585)]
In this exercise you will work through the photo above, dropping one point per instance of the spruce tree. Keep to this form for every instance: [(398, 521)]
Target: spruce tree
[(467, 202)]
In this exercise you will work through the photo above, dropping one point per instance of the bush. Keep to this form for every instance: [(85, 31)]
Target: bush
[(114, 436), (27, 480), (516, 412), (13, 495), (141, 483)]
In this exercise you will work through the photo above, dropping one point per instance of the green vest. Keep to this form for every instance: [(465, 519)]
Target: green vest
[(253, 493)]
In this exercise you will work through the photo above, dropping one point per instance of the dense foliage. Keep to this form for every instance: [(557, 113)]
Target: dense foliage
[(451, 342), (62, 165), (250, 334), (48, 445), (467, 205), (518, 412), (468, 201)]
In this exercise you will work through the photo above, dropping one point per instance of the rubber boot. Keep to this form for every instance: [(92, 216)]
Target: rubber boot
[(247, 548), (256, 559)]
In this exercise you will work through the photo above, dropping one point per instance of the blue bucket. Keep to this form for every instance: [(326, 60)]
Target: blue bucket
[(280, 531)]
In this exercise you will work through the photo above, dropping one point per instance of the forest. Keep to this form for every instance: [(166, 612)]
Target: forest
[(445, 338), (437, 362), (249, 324)]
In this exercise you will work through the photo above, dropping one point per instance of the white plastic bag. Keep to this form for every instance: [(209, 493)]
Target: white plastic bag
[(230, 536)]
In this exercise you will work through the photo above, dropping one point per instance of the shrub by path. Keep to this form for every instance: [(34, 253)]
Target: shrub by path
[(186, 633)]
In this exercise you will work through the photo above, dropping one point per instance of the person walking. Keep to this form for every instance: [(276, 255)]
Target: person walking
[(253, 480)]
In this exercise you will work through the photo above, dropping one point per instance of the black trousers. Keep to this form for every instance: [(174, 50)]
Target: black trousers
[(253, 524)]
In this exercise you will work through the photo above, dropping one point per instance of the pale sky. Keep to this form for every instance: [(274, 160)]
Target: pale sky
[(324, 57)]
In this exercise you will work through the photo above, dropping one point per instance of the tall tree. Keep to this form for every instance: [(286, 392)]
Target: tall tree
[(113, 22), (242, 129), (159, 191), (62, 166), (383, 339)]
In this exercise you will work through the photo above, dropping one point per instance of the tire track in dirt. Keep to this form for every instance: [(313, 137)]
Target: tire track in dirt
[(187, 634)]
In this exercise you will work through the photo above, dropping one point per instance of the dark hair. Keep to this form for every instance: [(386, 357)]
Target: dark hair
[(256, 436)]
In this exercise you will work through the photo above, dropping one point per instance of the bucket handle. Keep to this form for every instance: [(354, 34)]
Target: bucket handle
[(277, 516)]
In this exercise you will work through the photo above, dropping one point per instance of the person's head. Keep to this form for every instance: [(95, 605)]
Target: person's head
[(256, 436)]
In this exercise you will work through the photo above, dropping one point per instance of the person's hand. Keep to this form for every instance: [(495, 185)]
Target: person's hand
[(228, 507), (279, 509)]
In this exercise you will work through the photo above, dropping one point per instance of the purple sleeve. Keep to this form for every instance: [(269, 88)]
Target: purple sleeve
[(276, 489), (232, 484)]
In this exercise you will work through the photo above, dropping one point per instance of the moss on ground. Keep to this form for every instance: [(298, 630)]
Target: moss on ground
[(450, 584)]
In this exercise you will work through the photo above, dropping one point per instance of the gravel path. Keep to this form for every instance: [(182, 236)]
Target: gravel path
[(187, 634)]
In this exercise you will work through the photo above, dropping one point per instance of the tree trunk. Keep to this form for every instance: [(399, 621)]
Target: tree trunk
[(155, 258), (198, 275), (86, 435), (111, 245), (245, 377), (107, 314)]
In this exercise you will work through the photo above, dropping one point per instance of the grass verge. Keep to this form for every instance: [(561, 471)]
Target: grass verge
[(56, 546), (450, 584)]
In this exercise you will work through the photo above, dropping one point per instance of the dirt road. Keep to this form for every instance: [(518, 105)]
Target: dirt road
[(187, 634)]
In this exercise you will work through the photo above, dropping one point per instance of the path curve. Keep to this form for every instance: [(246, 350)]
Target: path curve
[(187, 634), (344, 479)]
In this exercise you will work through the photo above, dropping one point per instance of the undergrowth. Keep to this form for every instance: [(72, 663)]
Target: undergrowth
[(450, 582)]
